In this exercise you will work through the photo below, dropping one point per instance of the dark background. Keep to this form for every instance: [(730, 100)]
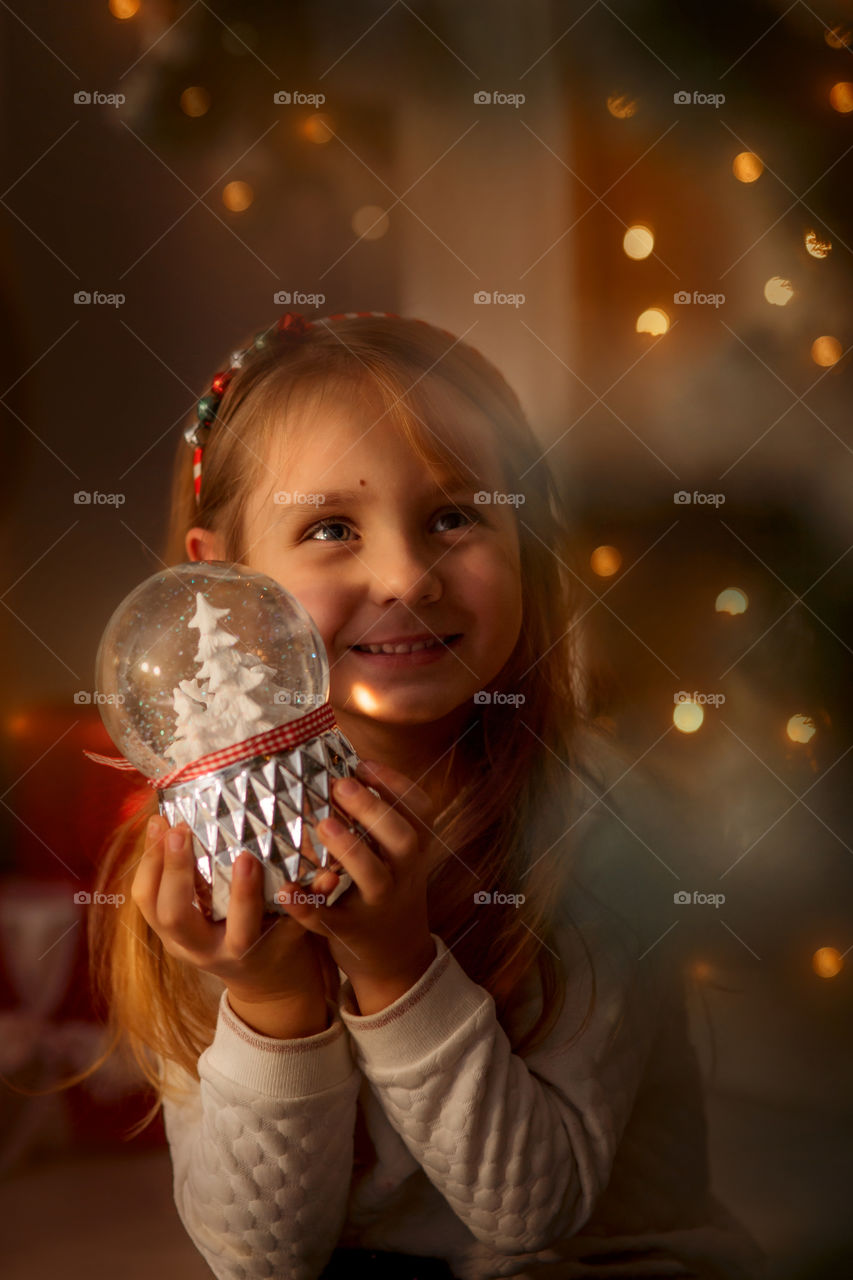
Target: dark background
[(530, 199)]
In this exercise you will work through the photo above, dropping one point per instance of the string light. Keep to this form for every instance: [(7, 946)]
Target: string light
[(621, 106), (732, 601), (605, 561), (816, 246), (653, 320), (237, 196), (688, 716), (638, 241), (841, 96), (827, 962), (195, 101), (747, 166), (778, 292), (826, 351), (800, 728), (370, 222)]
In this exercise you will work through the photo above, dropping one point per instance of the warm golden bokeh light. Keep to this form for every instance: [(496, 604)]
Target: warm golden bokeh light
[(124, 8), (747, 166), (800, 728), (817, 247), (621, 106), (638, 241), (688, 716), (605, 561), (701, 970), (195, 101), (370, 222), (237, 196), (841, 96), (732, 601), (779, 292), (826, 351), (364, 699), (18, 724), (827, 962), (838, 38), (654, 321), (318, 128)]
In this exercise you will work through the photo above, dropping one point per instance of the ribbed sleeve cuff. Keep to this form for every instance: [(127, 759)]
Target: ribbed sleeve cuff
[(421, 1020), (279, 1068)]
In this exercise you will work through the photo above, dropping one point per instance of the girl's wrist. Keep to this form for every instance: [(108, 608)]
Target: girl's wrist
[(284, 1017)]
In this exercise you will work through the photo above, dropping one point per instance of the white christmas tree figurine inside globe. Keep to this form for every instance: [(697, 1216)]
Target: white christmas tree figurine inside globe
[(213, 682)]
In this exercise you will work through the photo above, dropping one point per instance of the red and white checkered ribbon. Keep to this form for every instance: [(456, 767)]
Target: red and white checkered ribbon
[(285, 736)]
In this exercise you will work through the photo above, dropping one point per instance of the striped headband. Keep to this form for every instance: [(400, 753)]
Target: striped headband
[(294, 328)]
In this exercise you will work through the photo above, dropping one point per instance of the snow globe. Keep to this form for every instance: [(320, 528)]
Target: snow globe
[(214, 682)]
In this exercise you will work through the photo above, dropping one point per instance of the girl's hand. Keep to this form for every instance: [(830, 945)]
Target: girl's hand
[(259, 960), (378, 932)]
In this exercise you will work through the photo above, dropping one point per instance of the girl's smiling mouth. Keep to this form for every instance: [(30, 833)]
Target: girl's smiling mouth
[(400, 651)]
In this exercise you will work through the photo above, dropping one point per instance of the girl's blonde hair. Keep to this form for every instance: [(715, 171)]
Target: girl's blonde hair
[(510, 823)]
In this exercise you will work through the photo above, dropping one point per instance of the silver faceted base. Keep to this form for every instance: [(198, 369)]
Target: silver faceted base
[(268, 805)]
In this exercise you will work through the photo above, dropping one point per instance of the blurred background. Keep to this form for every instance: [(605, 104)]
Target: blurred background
[(641, 213)]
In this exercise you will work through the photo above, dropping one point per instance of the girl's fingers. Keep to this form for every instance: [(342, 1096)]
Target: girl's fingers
[(407, 794), (176, 915), (382, 822), (244, 920), (370, 875)]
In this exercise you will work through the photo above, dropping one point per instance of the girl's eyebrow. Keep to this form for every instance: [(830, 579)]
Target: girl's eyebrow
[(352, 497)]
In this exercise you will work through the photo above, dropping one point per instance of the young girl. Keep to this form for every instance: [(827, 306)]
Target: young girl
[(479, 1054)]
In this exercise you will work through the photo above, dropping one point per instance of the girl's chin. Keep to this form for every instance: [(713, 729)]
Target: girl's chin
[(400, 710)]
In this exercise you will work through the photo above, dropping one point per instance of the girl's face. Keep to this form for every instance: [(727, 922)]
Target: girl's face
[(377, 553)]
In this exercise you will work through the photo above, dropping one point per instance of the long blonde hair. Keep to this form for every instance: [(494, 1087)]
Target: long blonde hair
[(510, 821)]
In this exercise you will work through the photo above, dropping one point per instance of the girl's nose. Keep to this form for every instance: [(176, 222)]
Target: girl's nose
[(400, 571)]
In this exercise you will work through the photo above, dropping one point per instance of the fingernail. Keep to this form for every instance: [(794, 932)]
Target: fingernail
[(332, 827), (175, 841), (245, 864), (153, 826), (347, 787)]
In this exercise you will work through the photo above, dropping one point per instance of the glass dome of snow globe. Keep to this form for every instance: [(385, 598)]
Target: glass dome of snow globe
[(203, 656)]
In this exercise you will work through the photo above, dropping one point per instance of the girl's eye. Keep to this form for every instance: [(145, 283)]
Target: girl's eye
[(331, 523), (323, 527), (470, 518)]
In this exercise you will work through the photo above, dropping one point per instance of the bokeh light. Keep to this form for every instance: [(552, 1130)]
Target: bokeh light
[(195, 101), (841, 96), (638, 241), (732, 601), (779, 292), (621, 106), (800, 728), (654, 321), (370, 222), (827, 962), (237, 196), (747, 166), (838, 37), (688, 716), (605, 561), (826, 351), (816, 245), (318, 128), (124, 8)]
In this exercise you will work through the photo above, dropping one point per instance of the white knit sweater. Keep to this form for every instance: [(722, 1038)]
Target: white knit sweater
[(578, 1160)]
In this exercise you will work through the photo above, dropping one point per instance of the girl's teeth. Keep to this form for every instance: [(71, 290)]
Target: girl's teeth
[(399, 648)]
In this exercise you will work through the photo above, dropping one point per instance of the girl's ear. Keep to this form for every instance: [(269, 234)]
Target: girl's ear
[(204, 544)]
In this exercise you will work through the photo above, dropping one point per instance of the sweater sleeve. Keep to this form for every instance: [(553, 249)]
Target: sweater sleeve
[(262, 1148), (520, 1148)]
